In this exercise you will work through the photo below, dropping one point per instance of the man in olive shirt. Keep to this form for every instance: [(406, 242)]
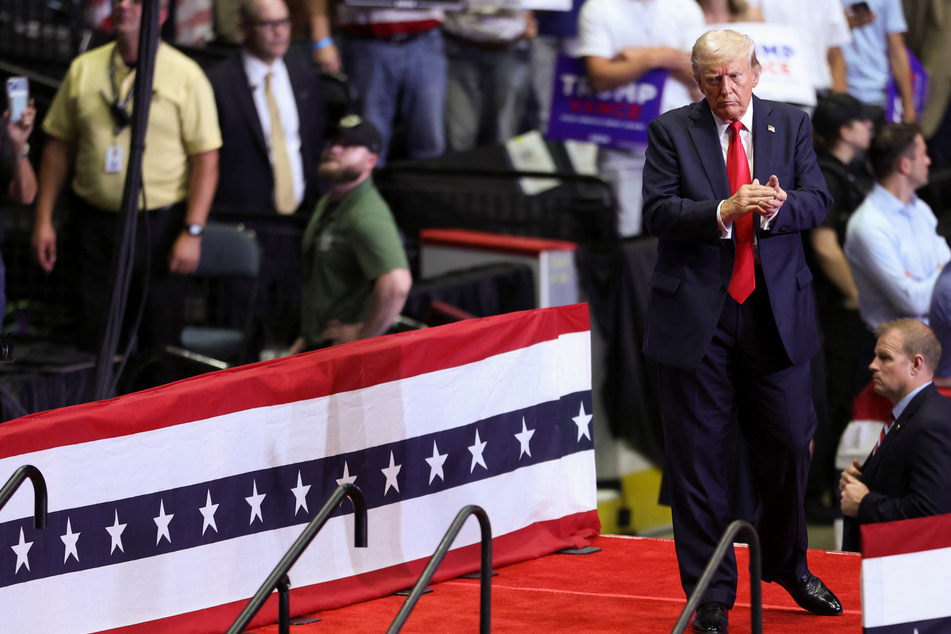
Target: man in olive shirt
[(356, 275)]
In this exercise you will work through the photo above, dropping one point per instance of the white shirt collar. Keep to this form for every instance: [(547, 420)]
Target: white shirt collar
[(256, 69), (746, 120), (902, 404)]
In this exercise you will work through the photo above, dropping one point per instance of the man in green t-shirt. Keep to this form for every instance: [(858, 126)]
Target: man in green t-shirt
[(356, 275)]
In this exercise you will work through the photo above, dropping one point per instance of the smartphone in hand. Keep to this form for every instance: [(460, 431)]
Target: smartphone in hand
[(18, 96)]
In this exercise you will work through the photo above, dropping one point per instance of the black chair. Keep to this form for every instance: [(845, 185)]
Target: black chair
[(220, 306)]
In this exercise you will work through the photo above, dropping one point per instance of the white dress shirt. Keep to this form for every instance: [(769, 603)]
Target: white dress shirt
[(256, 70)]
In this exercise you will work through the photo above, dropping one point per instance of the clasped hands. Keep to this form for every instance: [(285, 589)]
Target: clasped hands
[(764, 200), (852, 489)]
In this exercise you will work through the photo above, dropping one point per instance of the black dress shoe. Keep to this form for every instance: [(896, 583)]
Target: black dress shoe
[(711, 617), (809, 593)]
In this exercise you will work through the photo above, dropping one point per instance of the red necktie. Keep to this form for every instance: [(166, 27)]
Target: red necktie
[(881, 435), (743, 280)]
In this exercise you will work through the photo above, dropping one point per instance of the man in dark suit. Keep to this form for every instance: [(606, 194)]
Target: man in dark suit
[(908, 474), (268, 168), (250, 159), (733, 346)]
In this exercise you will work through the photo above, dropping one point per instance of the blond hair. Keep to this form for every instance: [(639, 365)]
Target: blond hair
[(722, 46), (917, 338)]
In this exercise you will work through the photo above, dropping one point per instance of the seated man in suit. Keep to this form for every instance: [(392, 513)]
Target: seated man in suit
[(908, 474)]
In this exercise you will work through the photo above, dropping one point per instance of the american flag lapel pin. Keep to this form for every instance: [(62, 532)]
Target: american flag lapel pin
[(770, 128)]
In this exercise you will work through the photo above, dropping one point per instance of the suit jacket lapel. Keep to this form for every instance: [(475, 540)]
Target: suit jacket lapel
[(703, 132), (764, 141), (301, 92), (872, 462), (244, 99), (764, 144)]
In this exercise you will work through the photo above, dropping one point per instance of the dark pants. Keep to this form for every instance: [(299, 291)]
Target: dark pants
[(92, 240), (745, 385)]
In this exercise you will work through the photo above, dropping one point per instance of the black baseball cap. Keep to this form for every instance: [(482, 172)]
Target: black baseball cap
[(838, 109), (356, 130)]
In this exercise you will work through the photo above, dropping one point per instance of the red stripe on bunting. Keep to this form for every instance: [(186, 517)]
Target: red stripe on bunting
[(339, 369), (492, 241), (537, 540), (902, 537)]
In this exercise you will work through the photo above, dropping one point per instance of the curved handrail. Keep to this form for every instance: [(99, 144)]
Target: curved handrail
[(39, 492), (756, 568), (485, 574), (278, 578)]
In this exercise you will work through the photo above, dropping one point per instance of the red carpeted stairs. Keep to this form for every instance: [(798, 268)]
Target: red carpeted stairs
[(631, 585)]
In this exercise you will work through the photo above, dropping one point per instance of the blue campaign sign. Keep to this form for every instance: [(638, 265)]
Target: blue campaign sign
[(617, 117), (919, 88)]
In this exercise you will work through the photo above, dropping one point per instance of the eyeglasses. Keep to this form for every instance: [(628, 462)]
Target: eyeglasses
[(272, 24)]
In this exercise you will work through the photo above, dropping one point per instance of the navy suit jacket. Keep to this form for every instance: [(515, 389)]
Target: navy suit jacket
[(245, 178), (684, 181), (910, 474)]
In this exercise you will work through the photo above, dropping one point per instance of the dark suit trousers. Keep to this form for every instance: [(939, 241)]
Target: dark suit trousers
[(93, 240), (745, 385)]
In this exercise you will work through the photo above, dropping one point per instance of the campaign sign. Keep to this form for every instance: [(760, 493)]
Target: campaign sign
[(894, 112), (617, 117), (780, 52)]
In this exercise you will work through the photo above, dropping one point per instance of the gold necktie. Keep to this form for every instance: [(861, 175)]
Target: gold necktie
[(284, 200)]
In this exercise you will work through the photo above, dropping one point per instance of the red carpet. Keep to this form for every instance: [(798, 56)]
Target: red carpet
[(632, 585)]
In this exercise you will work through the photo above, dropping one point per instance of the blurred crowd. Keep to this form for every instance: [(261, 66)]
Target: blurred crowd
[(251, 132)]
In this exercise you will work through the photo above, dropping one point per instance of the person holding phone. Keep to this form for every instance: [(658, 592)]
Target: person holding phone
[(17, 177), (877, 53)]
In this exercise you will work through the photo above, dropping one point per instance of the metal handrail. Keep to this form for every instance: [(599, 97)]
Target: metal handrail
[(39, 492), (278, 578), (756, 568), (485, 574)]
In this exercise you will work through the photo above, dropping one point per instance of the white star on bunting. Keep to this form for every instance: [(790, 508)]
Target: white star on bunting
[(300, 496), (435, 464), (22, 549), (391, 472), (347, 478), (476, 450), (524, 437), (582, 420), (69, 540), (255, 501), (115, 531), (208, 514), (161, 523)]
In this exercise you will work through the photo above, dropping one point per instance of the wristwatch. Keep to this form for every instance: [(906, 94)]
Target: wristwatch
[(194, 229)]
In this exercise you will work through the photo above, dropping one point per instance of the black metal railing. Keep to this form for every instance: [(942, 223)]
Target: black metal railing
[(39, 492), (579, 208), (485, 573), (756, 575), (279, 580)]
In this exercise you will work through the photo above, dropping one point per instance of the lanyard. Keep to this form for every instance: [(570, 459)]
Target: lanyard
[(119, 109)]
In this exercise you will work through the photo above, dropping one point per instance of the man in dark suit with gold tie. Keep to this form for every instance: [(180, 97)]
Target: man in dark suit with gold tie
[(271, 113), (908, 474), (729, 184)]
